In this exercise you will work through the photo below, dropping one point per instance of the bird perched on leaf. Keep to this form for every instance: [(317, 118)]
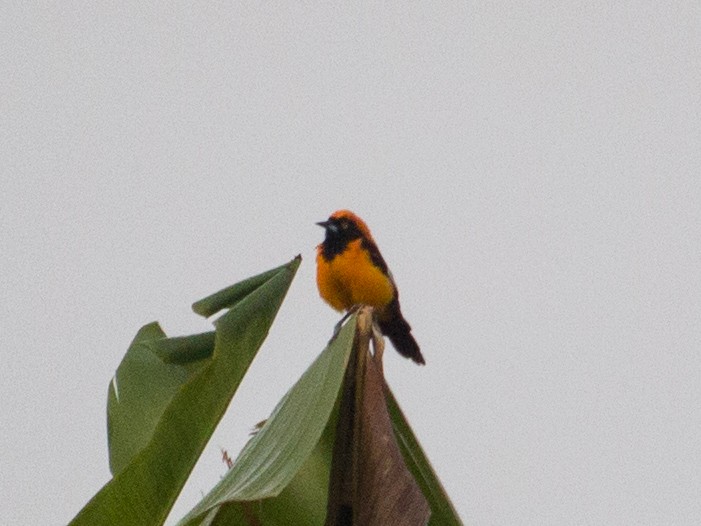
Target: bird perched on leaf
[(350, 271)]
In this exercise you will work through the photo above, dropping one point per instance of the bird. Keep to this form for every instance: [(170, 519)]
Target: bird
[(350, 271)]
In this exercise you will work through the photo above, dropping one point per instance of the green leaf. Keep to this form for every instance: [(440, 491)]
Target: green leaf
[(228, 297), (301, 503), (442, 511), (273, 457), (143, 491), (142, 388)]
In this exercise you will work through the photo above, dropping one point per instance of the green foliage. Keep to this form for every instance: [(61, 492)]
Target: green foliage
[(151, 469), (144, 385), (168, 395), (273, 457), (443, 512)]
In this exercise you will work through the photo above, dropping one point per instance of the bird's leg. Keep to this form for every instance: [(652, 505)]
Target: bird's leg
[(340, 323)]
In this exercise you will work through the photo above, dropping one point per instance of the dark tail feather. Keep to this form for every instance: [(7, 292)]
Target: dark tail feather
[(397, 329), (406, 346)]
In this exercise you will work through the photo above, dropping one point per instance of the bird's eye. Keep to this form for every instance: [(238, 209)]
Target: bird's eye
[(344, 225)]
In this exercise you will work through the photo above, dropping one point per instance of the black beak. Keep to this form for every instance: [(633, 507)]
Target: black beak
[(330, 226)]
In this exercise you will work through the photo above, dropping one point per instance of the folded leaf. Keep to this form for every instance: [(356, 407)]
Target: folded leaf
[(370, 484), (443, 512), (143, 491), (273, 457), (142, 388)]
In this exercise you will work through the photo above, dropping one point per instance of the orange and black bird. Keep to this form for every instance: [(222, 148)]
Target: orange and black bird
[(350, 271)]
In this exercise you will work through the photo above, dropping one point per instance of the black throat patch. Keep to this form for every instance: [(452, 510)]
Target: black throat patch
[(337, 239), (339, 236)]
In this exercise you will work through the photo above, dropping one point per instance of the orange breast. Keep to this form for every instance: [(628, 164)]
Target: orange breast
[(351, 278)]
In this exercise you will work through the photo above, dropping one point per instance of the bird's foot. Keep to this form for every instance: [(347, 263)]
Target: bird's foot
[(339, 325)]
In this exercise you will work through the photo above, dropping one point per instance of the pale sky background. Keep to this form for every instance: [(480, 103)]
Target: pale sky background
[(532, 175)]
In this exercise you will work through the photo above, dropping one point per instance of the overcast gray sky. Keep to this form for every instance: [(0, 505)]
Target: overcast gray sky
[(532, 175)]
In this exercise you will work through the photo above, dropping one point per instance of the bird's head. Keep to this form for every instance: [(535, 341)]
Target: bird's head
[(344, 226)]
